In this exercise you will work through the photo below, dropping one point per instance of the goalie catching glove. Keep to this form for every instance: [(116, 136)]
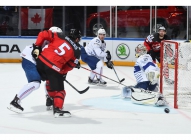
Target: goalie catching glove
[(36, 51), (153, 77)]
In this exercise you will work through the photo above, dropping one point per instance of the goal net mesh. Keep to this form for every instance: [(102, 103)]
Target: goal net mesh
[(175, 80)]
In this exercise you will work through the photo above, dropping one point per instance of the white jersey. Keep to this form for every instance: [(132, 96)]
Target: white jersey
[(143, 65), (96, 48), (26, 53)]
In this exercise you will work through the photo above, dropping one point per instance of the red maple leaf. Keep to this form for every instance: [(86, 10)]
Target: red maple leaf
[(36, 19)]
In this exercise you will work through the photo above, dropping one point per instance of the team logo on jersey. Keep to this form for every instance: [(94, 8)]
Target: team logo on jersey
[(122, 51), (145, 59)]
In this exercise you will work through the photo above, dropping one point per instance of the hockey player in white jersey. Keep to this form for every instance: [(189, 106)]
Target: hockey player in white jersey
[(94, 55), (32, 75), (147, 78)]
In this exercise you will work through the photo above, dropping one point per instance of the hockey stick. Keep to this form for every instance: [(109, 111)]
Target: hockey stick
[(117, 75), (103, 76), (81, 92)]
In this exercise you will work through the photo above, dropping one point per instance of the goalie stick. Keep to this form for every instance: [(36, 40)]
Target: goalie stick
[(103, 76), (80, 92), (117, 75)]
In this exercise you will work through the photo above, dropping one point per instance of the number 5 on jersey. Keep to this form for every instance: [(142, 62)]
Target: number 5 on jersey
[(61, 49)]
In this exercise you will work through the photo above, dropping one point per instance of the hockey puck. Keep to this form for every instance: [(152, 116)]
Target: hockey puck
[(166, 110)]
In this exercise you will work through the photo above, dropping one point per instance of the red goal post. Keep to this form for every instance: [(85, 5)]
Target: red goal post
[(175, 71)]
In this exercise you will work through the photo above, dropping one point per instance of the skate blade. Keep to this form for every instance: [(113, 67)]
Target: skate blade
[(49, 108), (14, 109), (101, 85), (65, 115), (93, 83)]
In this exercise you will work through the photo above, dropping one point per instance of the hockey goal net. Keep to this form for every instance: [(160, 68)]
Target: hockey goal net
[(175, 69)]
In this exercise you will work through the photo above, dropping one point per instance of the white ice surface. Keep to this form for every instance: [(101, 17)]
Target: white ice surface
[(100, 110)]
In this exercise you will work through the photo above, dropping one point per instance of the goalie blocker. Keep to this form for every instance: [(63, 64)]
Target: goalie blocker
[(145, 97)]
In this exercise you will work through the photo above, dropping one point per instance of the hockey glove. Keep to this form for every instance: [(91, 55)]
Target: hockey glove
[(109, 64), (64, 76), (36, 51), (153, 77), (78, 65), (108, 57)]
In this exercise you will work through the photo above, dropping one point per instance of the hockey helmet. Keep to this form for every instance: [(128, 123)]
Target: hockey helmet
[(161, 28), (101, 31), (55, 29), (140, 50), (187, 41), (74, 33)]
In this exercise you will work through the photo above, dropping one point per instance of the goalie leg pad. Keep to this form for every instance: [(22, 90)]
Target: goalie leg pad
[(143, 85), (146, 97)]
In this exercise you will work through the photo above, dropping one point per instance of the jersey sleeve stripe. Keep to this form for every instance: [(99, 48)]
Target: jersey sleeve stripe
[(148, 64), (136, 69)]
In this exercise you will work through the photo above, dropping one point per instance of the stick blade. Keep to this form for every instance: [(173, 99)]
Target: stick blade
[(122, 80), (83, 91)]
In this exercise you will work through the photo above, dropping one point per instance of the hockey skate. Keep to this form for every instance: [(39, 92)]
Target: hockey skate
[(156, 88), (92, 82), (101, 82), (49, 103), (15, 106), (58, 113), (161, 101)]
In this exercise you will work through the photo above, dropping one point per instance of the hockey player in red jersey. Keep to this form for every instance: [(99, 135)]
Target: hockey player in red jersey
[(152, 43), (32, 75), (59, 57)]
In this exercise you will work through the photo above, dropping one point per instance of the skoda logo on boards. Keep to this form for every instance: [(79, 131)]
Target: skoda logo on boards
[(122, 51)]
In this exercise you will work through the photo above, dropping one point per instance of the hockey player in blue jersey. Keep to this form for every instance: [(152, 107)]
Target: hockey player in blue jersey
[(94, 54), (147, 77)]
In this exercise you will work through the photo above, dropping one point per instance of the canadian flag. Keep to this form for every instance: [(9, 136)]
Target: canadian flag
[(36, 18)]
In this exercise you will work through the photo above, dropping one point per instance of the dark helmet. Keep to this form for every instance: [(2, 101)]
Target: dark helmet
[(74, 33), (187, 41)]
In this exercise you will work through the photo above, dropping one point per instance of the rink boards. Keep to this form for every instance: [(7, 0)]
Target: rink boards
[(122, 50)]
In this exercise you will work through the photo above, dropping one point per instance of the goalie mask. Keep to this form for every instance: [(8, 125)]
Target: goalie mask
[(140, 50)]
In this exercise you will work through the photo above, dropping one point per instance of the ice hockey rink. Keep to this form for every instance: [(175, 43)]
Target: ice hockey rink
[(101, 110)]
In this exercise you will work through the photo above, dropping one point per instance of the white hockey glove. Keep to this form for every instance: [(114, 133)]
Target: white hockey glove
[(153, 77)]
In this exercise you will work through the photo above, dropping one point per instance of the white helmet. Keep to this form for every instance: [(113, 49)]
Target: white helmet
[(140, 50), (101, 31), (161, 28), (55, 29)]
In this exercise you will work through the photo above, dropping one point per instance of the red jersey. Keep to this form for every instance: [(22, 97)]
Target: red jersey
[(61, 54), (152, 42)]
